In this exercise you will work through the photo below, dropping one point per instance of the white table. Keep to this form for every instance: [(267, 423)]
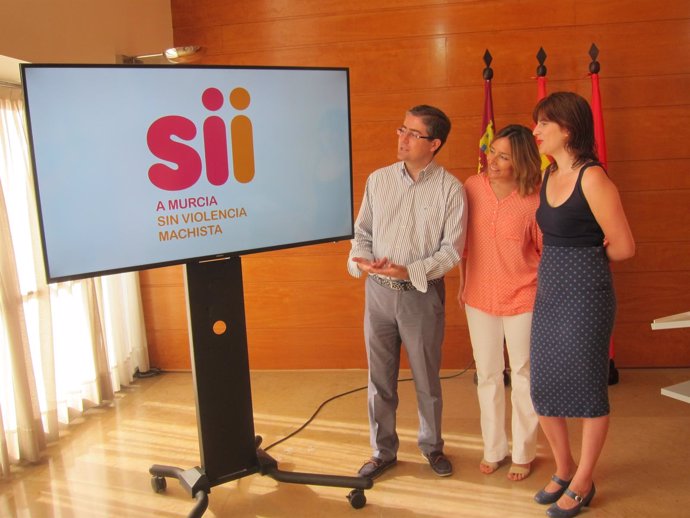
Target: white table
[(672, 321), (680, 391)]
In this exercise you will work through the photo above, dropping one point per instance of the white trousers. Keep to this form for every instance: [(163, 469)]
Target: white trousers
[(487, 333)]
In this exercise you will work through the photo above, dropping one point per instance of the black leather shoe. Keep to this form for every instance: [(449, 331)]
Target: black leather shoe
[(544, 497), (439, 463), (582, 501), (374, 467)]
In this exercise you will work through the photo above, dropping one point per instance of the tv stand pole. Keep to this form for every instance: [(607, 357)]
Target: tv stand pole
[(220, 366)]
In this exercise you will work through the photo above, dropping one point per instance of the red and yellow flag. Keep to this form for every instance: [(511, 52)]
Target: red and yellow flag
[(488, 126)]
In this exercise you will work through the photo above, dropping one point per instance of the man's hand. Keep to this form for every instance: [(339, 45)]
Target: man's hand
[(382, 267)]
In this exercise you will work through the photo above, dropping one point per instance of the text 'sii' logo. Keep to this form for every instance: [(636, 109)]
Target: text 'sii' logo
[(215, 139)]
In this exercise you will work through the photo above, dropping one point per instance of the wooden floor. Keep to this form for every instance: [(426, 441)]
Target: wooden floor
[(100, 466)]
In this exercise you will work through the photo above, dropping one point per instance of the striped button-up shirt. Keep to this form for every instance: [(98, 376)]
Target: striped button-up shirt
[(420, 225)]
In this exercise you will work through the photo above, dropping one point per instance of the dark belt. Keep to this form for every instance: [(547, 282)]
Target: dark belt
[(400, 285)]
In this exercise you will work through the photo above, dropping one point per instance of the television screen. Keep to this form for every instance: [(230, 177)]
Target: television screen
[(150, 165)]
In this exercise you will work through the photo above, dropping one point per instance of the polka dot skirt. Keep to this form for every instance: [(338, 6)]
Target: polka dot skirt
[(571, 329)]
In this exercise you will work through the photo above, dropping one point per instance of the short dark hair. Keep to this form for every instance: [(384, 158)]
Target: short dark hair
[(437, 123), (572, 112)]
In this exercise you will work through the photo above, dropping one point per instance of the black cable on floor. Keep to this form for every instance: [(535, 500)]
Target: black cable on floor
[(313, 416), (153, 371)]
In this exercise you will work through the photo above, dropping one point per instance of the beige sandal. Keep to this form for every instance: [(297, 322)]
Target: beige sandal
[(515, 469)]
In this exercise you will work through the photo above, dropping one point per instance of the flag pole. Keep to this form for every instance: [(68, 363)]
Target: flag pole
[(485, 137), (488, 124), (600, 139), (599, 134), (541, 93), (541, 74)]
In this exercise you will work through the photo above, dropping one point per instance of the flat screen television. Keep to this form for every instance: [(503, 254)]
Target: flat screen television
[(140, 166)]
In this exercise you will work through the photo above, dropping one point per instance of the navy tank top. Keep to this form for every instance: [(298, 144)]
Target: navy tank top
[(571, 223)]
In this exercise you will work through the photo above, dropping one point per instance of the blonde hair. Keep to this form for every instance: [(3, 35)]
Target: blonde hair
[(525, 157)]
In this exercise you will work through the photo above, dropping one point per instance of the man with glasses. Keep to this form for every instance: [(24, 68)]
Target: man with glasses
[(409, 232)]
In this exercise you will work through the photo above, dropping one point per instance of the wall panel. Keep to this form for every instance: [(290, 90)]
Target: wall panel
[(303, 310), (639, 346), (668, 256), (657, 216)]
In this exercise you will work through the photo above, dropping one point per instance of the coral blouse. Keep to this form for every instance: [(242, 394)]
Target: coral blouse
[(502, 249)]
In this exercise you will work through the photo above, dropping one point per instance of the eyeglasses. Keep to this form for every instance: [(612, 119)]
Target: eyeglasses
[(404, 132)]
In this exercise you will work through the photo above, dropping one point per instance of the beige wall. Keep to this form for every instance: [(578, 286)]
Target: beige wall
[(81, 31)]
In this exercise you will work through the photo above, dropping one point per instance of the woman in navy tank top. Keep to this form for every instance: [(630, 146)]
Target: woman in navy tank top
[(584, 227)]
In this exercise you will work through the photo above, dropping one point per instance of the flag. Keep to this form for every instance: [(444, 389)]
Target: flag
[(599, 136), (541, 87), (541, 93), (600, 140), (488, 126)]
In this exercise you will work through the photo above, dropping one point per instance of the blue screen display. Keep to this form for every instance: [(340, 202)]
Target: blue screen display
[(141, 166)]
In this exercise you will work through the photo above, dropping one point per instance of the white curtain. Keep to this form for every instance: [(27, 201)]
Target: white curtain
[(63, 347)]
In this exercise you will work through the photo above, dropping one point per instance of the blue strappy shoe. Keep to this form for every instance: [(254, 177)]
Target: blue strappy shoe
[(544, 497), (582, 501)]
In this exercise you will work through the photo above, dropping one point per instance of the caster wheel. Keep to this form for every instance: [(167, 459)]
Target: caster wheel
[(158, 484), (357, 498), (257, 441)]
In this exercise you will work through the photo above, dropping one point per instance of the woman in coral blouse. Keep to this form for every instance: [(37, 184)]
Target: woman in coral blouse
[(498, 282)]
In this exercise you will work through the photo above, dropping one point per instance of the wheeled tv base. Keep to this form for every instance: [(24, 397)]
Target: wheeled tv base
[(197, 484), (218, 341)]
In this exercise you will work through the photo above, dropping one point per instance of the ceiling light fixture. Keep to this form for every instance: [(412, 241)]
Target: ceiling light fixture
[(186, 54)]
